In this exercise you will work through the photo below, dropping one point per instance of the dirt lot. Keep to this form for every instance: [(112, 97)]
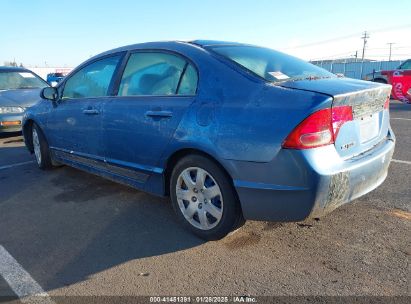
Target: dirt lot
[(77, 234)]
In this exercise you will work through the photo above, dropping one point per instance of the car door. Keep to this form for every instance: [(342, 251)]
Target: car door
[(75, 123), (154, 92)]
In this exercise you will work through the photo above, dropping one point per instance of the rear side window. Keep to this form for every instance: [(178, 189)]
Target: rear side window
[(158, 74), (271, 65), (188, 84), (93, 80)]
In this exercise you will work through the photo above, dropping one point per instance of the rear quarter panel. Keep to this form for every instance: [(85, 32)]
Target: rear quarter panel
[(238, 117)]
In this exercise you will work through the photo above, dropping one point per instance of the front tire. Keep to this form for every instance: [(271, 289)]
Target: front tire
[(41, 149), (203, 197)]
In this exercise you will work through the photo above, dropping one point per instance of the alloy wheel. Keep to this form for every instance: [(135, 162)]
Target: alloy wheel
[(199, 198)]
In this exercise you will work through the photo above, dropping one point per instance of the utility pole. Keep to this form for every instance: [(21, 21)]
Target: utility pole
[(365, 37), (390, 43), (356, 56)]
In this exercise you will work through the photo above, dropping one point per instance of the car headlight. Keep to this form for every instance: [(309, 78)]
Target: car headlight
[(11, 110)]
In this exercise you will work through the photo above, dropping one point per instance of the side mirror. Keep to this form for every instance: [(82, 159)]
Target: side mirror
[(49, 93)]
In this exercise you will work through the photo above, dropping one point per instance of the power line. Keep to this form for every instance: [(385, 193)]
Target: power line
[(386, 29), (379, 52), (387, 47), (335, 56)]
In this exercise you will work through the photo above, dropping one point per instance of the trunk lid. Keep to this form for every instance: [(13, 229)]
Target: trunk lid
[(370, 120)]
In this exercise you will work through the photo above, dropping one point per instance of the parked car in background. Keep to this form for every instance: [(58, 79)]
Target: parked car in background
[(19, 88), (401, 84), (54, 78), (400, 79), (229, 131), (382, 76)]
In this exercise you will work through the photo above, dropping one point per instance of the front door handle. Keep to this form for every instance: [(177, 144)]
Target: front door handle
[(91, 112), (160, 114)]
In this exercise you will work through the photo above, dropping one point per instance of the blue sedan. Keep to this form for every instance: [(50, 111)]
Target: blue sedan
[(229, 131)]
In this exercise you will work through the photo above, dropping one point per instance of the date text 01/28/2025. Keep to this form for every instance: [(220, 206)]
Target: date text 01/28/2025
[(203, 299)]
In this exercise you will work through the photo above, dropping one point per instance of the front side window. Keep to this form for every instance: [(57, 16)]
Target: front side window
[(20, 80), (93, 80), (271, 65), (158, 74)]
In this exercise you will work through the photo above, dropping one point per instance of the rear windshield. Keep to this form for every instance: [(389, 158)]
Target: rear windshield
[(271, 65), (20, 80)]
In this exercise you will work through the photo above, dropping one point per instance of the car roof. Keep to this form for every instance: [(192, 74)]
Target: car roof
[(13, 69), (205, 43), (168, 45), (172, 45)]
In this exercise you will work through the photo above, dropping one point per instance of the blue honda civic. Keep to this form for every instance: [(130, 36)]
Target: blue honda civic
[(229, 131)]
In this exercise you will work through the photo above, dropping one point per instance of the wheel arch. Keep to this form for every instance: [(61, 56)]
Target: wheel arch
[(27, 127), (181, 153)]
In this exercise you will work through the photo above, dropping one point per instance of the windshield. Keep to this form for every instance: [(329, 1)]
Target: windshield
[(20, 80), (271, 65), (406, 65)]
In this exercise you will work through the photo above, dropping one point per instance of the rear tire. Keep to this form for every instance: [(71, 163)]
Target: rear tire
[(41, 148), (204, 198)]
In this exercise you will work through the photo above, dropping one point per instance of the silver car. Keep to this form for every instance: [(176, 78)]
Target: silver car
[(19, 88)]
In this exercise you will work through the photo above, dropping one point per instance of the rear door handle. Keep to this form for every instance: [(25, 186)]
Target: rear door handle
[(160, 114), (91, 112)]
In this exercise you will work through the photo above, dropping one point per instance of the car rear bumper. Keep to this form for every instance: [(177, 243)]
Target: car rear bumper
[(310, 183), (10, 122)]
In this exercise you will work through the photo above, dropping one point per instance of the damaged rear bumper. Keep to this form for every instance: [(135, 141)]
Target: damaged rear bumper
[(361, 175), (310, 183)]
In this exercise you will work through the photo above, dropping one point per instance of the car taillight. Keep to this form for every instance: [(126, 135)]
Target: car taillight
[(319, 129), (340, 115), (387, 104)]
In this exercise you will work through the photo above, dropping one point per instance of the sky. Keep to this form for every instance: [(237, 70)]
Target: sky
[(67, 32)]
